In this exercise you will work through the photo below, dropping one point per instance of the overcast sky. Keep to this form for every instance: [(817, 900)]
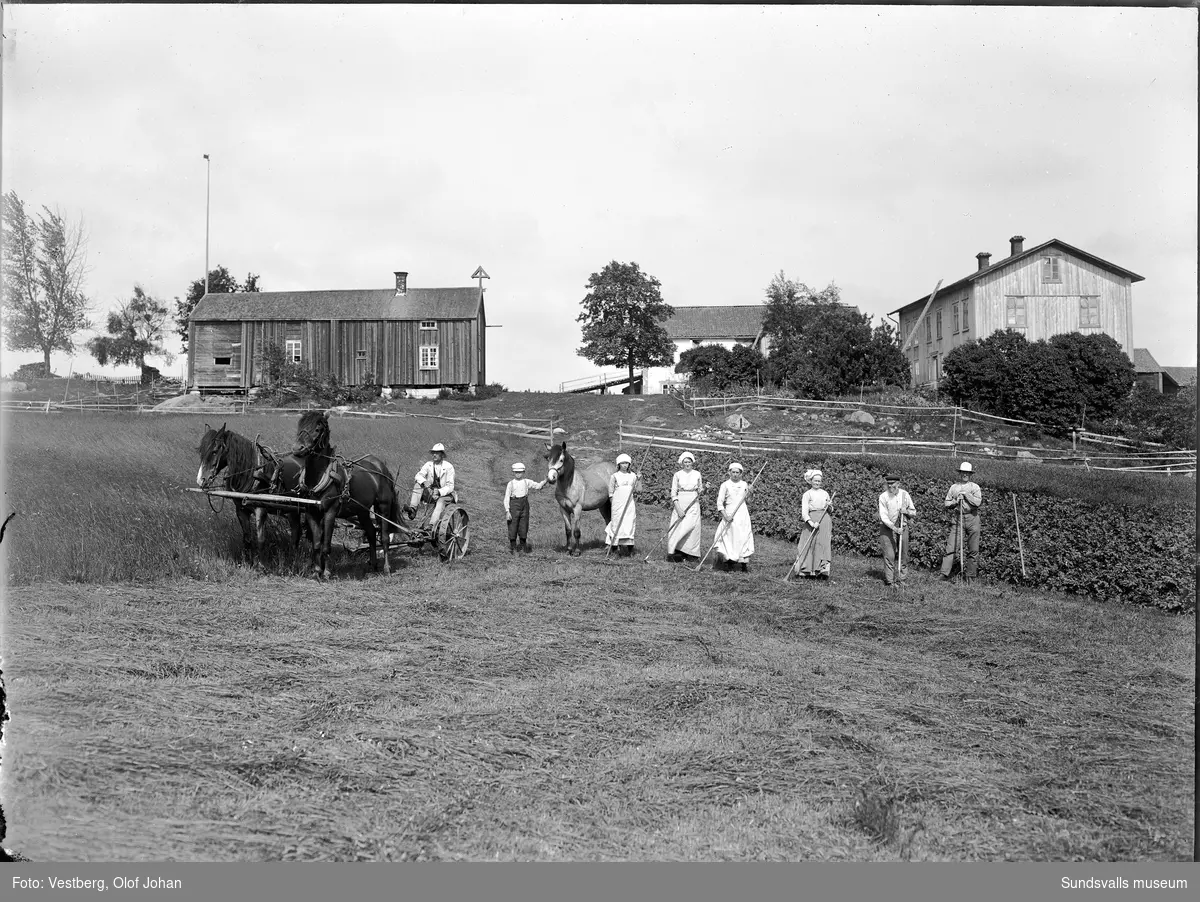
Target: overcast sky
[(880, 148)]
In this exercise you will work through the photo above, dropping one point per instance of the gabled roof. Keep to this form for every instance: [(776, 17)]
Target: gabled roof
[(1183, 375), (740, 322), (1030, 252), (357, 304), (1144, 362)]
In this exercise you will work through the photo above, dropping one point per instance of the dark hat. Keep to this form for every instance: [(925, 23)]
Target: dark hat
[(891, 477)]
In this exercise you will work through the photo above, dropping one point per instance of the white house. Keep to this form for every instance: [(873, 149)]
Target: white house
[(691, 327)]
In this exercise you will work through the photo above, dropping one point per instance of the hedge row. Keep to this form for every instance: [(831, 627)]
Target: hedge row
[(1105, 536)]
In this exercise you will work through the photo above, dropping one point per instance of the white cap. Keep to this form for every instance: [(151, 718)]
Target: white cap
[(687, 455), (736, 466), (518, 468), (964, 467), (439, 447), (624, 459)]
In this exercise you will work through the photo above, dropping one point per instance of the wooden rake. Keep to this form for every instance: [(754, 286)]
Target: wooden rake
[(625, 507), (671, 528), (800, 555), (737, 507)]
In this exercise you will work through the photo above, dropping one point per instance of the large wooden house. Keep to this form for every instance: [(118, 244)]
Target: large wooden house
[(406, 338), (1043, 291)]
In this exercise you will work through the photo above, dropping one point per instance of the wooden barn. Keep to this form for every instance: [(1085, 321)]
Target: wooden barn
[(406, 338), (1043, 291)]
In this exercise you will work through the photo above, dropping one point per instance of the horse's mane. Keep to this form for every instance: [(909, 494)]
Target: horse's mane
[(315, 422), (240, 457)]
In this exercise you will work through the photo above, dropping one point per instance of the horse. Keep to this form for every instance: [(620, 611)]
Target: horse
[(577, 491), (354, 490), (251, 469)]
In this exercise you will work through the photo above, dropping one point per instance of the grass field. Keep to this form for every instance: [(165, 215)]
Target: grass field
[(168, 702)]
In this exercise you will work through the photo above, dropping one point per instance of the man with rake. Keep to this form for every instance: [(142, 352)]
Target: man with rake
[(895, 510), (966, 496)]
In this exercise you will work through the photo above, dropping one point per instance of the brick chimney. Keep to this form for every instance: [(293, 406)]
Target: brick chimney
[(985, 260), (1018, 244), (401, 283)]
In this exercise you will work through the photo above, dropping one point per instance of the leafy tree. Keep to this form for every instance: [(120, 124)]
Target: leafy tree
[(1007, 375), (1147, 415), (622, 313), (720, 366), (219, 282), (45, 262), (820, 347), (702, 361), (1103, 373), (135, 331)]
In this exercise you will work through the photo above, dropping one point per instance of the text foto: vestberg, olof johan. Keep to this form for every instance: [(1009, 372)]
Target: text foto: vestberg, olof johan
[(96, 884)]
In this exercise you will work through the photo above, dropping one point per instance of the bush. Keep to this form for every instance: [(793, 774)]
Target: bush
[(27, 372), (1110, 536)]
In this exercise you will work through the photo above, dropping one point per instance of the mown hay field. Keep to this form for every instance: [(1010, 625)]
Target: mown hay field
[(168, 702)]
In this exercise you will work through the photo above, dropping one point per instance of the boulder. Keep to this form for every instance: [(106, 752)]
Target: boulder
[(1028, 458), (737, 421), (654, 421), (13, 385), (860, 416)]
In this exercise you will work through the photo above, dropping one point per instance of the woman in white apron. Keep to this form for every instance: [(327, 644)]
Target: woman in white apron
[(815, 537), (736, 542), (683, 532), (621, 486)]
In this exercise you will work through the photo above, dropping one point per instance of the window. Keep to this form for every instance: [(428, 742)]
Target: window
[(1014, 313), (222, 361), (928, 329), (1089, 312), (429, 357), (939, 324), (292, 349), (966, 326), (360, 355), (428, 324), (955, 308), (1051, 270)]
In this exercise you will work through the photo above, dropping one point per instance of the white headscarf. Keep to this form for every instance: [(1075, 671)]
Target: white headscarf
[(687, 455)]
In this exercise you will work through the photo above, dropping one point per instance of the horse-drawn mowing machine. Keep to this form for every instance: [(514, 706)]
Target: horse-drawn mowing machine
[(450, 539)]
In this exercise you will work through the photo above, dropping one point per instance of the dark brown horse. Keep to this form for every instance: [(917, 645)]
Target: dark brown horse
[(251, 469), (358, 490), (577, 491)]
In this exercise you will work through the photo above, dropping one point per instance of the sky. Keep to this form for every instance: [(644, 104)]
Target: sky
[(879, 148)]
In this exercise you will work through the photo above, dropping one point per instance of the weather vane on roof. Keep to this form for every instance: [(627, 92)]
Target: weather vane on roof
[(480, 274)]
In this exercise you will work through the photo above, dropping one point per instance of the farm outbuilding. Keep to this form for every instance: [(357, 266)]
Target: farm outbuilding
[(409, 338), (1046, 290)]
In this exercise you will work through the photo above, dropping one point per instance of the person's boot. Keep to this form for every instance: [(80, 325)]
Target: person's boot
[(512, 546), (745, 567), (525, 547)]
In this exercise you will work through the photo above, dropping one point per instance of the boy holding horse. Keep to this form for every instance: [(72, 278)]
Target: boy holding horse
[(516, 507)]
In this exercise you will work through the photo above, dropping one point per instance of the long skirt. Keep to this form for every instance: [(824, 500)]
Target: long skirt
[(815, 545), (624, 513), (684, 536), (737, 538)]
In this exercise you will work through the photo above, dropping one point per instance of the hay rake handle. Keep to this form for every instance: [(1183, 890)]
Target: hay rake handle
[(737, 507), (811, 538)]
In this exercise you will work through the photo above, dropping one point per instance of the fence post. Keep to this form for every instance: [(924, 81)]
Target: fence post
[(620, 436)]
